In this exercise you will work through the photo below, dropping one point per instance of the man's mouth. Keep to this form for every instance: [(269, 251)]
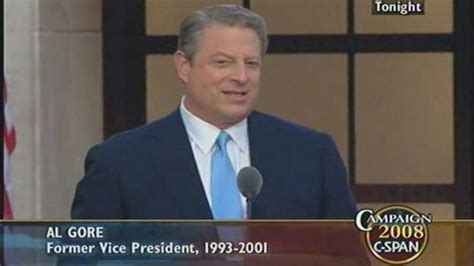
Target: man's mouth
[(241, 93)]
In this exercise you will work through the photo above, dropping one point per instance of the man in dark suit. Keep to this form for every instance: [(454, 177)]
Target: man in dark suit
[(184, 165)]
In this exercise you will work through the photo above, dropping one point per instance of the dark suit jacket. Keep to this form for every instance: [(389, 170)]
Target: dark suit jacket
[(150, 173)]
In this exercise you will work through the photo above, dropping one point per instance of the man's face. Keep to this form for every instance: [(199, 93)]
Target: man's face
[(222, 81)]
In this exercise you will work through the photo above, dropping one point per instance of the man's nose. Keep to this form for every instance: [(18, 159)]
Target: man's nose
[(240, 74)]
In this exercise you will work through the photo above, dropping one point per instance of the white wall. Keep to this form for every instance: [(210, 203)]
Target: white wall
[(53, 68)]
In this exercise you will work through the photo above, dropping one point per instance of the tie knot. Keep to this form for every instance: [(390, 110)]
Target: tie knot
[(222, 140)]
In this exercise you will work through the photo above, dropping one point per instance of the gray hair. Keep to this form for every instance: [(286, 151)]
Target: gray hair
[(231, 15)]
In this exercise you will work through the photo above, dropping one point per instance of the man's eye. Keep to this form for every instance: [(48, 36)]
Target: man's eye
[(221, 62), (253, 64)]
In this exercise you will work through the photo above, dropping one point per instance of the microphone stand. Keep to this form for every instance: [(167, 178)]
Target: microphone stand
[(249, 208), (249, 201)]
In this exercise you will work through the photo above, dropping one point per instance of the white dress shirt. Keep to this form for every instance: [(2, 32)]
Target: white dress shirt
[(203, 135)]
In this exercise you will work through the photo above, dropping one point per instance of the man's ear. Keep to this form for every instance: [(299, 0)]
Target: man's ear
[(183, 66)]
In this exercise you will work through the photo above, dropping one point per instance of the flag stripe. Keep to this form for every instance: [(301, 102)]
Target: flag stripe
[(10, 140), (9, 144), (7, 210)]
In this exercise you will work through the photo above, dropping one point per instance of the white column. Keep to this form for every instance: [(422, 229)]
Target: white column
[(56, 86)]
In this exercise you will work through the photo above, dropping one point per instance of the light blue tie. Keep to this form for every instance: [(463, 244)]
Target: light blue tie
[(224, 191)]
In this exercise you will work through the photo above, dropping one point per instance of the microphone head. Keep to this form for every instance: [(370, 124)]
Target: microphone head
[(250, 182)]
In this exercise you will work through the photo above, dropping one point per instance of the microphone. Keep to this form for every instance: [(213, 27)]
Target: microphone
[(249, 181)]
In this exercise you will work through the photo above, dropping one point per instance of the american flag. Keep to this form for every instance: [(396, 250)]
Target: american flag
[(9, 143)]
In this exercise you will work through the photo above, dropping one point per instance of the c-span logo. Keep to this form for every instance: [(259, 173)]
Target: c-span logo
[(395, 234)]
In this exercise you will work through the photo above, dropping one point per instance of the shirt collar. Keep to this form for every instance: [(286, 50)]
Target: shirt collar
[(205, 134)]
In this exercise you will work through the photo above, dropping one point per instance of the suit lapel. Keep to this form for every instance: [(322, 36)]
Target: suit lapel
[(258, 143), (177, 169), (266, 156)]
